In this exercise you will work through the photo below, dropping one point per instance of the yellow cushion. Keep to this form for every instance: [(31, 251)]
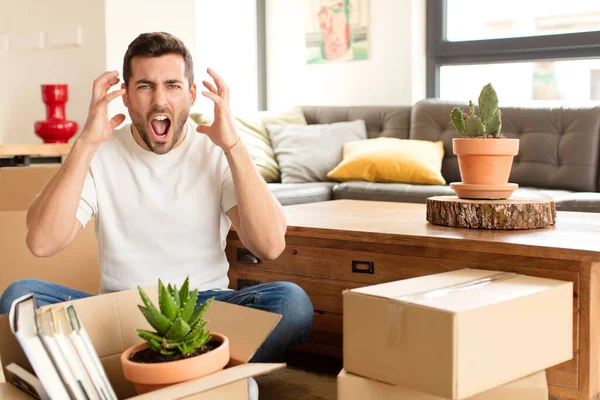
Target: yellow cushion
[(391, 160), (252, 130)]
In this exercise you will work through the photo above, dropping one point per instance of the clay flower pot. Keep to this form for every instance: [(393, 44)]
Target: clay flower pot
[(147, 377), (485, 166)]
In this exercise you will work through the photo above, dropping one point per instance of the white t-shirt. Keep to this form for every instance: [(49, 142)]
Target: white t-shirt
[(159, 216)]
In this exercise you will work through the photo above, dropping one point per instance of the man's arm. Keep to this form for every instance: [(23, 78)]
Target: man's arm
[(51, 219), (258, 217)]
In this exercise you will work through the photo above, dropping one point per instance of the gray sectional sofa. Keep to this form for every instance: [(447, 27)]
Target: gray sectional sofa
[(559, 156)]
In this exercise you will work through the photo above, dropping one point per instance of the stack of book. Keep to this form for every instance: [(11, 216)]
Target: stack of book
[(60, 352)]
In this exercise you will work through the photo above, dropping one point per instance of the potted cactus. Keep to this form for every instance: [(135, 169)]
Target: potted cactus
[(485, 156), (179, 348)]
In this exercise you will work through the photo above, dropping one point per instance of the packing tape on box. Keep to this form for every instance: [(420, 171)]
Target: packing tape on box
[(396, 309)]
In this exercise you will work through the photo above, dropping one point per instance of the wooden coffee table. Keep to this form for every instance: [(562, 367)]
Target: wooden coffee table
[(335, 245)]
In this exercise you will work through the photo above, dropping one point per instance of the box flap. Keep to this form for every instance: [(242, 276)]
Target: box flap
[(212, 381), (461, 290), (9, 392), (507, 288), (246, 328), (405, 287)]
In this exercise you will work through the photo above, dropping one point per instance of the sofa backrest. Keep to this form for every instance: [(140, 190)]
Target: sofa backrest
[(559, 147), (384, 121)]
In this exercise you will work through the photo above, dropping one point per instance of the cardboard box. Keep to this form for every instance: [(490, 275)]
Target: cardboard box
[(111, 320), (20, 185), (459, 333), (75, 267), (351, 387)]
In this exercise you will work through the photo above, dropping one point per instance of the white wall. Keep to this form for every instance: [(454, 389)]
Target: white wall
[(394, 74), (125, 20), (22, 71), (226, 42)]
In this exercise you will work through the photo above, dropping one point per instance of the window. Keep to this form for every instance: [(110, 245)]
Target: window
[(520, 82), (519, 18), (529, 50)]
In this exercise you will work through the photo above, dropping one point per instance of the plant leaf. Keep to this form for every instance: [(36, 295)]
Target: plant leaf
[(168, 307), (156, 320), (488, 103), (184, 293), (196, 332), (179, 330), (148, 335), (152, 344), (474, 127), (494, 125), (199, 311), (188, 306), (457, 120)]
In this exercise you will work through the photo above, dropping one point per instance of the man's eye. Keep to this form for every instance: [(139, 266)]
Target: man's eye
[(173, 86), (144, 87)]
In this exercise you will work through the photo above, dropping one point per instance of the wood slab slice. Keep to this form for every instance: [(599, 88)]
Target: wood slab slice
[(516, 213)]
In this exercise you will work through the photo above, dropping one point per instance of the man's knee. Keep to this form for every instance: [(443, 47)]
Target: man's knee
[(296, 307), (15, 290)]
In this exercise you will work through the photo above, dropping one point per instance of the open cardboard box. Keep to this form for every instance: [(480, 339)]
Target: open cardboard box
[(111, 320), (75, 267), (352, 387), (458, 333)]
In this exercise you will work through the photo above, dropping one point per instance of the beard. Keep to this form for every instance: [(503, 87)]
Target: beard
[(145, 130)]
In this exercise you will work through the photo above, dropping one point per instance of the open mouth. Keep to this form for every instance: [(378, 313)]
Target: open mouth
[(161, 125)]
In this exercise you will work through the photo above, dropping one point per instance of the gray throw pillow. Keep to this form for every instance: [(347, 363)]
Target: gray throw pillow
[(306, 153)]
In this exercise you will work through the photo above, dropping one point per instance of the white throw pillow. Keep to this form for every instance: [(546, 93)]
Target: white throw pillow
[(306, 153)]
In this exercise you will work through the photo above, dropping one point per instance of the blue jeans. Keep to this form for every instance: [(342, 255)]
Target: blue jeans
[(284, 298)]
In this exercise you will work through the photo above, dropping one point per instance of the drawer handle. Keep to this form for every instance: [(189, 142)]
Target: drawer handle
[(363, 267), (244, 256)]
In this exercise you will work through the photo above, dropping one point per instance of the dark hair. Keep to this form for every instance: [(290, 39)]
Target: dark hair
[(156, 44)]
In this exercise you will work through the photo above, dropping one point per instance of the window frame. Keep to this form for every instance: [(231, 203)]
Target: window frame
[(441, 52)]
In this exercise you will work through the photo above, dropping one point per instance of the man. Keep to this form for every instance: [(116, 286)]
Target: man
[(163, 196)]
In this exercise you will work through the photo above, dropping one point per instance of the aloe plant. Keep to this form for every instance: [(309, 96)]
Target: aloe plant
[(489, 121), (178, 322)]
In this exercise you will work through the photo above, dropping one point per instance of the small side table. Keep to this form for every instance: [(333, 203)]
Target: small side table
[(18, 155)]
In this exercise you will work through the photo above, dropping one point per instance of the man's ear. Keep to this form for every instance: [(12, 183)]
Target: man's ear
[(125, 95), (192, 94)]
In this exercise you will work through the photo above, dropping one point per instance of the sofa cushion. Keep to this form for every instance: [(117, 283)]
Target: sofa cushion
[(391, 160), (401, 192), (306, 153), (384, 121), (300, 193), (253, 133), (582, 202), (559, 147)]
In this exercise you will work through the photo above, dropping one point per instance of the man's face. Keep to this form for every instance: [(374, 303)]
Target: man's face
[(159, 98)]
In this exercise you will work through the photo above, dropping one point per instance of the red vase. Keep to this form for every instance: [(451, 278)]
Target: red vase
[(56, 128)]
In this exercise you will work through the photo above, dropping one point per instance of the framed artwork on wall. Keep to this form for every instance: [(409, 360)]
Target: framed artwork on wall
[(336, 30)]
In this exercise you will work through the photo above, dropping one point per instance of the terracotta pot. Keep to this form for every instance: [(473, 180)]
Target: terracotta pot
[(485, 161), (149, 377)]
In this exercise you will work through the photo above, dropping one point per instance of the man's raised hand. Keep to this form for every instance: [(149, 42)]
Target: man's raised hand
[(98, 127)]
